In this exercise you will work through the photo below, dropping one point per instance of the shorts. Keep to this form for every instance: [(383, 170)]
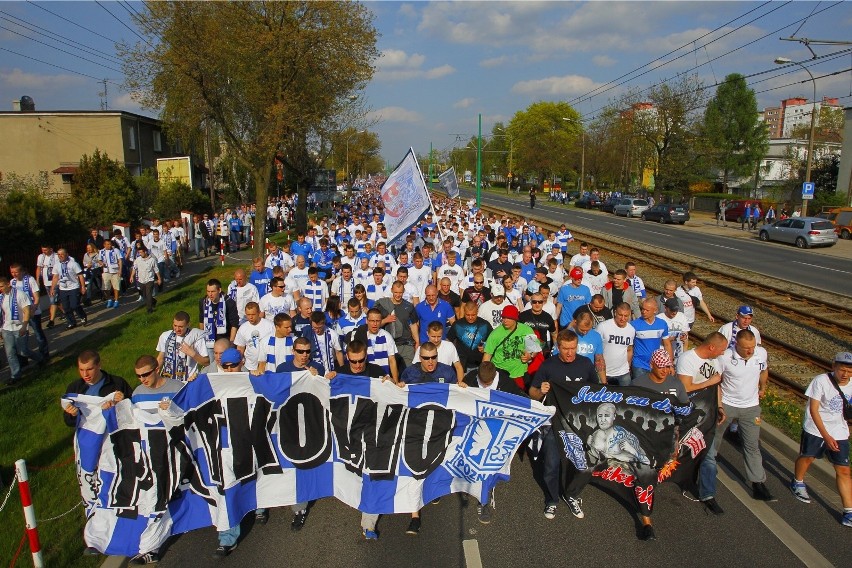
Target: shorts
[(112, 281), (54, 298), (814, 447)]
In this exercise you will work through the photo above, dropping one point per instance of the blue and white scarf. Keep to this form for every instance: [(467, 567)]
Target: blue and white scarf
[(324, 358), (13, 307), (214, 322), (175, 363), (270, 353), (109, 258)]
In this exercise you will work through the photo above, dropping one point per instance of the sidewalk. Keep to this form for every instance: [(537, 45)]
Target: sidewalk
[(61, 340)]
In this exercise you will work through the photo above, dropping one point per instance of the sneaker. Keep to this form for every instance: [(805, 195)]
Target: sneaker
[(713, 506), (575, 504), (147, 558), (370, 535), (91, 551), (413, 526), (71, 326), (50, 324), (846, 521), (761, 492), (108, 304), (550, 512), (800, 491), (647, 533), (299, 520), (261, 517), (222, 551), (484, 512), (85, 321), (115, 304)]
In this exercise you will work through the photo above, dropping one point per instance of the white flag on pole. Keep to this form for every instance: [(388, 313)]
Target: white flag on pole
[(405, 197), (449, 182)]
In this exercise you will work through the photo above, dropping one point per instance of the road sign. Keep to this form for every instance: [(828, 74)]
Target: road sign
[(808, 190)]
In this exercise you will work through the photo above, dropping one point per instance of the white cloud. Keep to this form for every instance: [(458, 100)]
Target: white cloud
[(494, 61), (397, 65), (19, 79), (464, 103), (555, 86), (407, 10), (603, 61), (395, 114)]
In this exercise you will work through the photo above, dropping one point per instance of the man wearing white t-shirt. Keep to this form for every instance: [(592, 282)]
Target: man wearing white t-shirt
[(419, 275), (825, 431), (241, 291), (251, 334), (697, 368), (276, 301), (692, 298), (745, 372), (182, 351), (617, 336), (678, 327)]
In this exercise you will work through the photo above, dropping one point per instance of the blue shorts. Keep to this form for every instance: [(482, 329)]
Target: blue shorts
[(814, 447)]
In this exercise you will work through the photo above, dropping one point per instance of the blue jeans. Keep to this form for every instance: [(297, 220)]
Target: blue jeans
[(16, 346), (637, 372), (198, 244), (619, 380), (550, 475), (230, 536)]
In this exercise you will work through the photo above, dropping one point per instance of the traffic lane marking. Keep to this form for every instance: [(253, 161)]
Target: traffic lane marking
[(822, 267), (657, 233), (472, 559), (719, 246), (809, 555)]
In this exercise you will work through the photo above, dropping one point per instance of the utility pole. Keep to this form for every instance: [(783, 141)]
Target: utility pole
[(479, 165)]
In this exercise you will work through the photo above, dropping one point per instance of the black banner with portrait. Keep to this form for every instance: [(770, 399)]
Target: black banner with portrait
[(631, 438)]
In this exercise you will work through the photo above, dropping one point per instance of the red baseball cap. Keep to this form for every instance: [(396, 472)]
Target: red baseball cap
[(576, 273), (511, 312)]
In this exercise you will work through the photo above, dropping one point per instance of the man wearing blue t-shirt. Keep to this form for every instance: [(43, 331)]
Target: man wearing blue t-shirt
[(260, 277), (432, 308), (571, 296), (651, 334)]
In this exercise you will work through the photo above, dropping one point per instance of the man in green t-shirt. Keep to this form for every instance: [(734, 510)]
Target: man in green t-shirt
[(506, 346)]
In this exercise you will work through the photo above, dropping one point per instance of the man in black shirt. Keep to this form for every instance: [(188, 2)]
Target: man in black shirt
[(500, 266), (597, 307), (356, 362), (554, 373), (541, 322)]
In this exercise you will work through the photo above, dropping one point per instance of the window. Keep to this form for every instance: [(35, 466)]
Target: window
[(796, 224), (132, 134), (158, 141)]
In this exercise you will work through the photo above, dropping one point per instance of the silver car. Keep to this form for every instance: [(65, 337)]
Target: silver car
[(631, 207), (804, 232)]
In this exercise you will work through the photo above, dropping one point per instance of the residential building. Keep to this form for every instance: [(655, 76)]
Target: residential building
[(47, 145)]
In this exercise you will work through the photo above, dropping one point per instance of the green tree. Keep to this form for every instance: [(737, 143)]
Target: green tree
[(176, 196), (660, 123), (270, 76), (736, 140), (542, 139), (29, 219), (103, 192)]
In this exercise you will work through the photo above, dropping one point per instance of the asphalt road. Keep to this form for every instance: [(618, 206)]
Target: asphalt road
[(519, 535), (779, 261)]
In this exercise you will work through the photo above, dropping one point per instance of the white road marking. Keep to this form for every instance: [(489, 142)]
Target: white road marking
[(809, 555), (657, 233), (610, 223), (720, 246), (822, 267), (472, 559)]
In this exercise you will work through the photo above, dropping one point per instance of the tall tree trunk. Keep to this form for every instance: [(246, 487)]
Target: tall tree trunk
[(261, 177)]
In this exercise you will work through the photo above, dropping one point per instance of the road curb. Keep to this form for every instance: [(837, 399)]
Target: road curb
[(821, 470)]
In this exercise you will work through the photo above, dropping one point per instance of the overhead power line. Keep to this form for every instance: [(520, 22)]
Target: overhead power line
[(98, 79), (63, 18)]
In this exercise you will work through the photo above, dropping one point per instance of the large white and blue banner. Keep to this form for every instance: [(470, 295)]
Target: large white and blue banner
[(405, 198), (231, 443), (449, 182)]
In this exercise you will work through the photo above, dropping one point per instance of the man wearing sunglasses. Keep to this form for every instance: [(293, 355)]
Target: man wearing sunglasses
[(301, 360), (428, 369)]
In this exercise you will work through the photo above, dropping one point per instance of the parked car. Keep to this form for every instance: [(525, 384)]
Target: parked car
[(667, 213), (589, 201), (736, 207), (841, 217), (804, 232), (609, 204), (631, 207)]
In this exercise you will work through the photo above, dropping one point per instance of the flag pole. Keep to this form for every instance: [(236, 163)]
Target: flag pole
[(428, 195)]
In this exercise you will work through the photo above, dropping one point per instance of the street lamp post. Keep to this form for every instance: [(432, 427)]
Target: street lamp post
[(785, 61), (348, 177), (582, 152)]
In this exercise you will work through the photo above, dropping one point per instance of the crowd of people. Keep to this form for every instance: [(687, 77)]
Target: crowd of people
[(465, 298)]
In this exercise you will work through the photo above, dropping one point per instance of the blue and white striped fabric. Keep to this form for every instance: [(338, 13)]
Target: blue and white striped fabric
[(374, 446), (379, 349)]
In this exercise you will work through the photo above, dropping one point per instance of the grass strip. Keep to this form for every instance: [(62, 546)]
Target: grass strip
[(32, 427)]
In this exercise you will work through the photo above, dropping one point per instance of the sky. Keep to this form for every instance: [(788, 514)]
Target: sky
[(443, 64)]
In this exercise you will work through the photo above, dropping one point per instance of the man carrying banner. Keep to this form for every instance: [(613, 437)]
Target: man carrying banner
[(557, 371), (94, 382), (217, 314), (509, 348)]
